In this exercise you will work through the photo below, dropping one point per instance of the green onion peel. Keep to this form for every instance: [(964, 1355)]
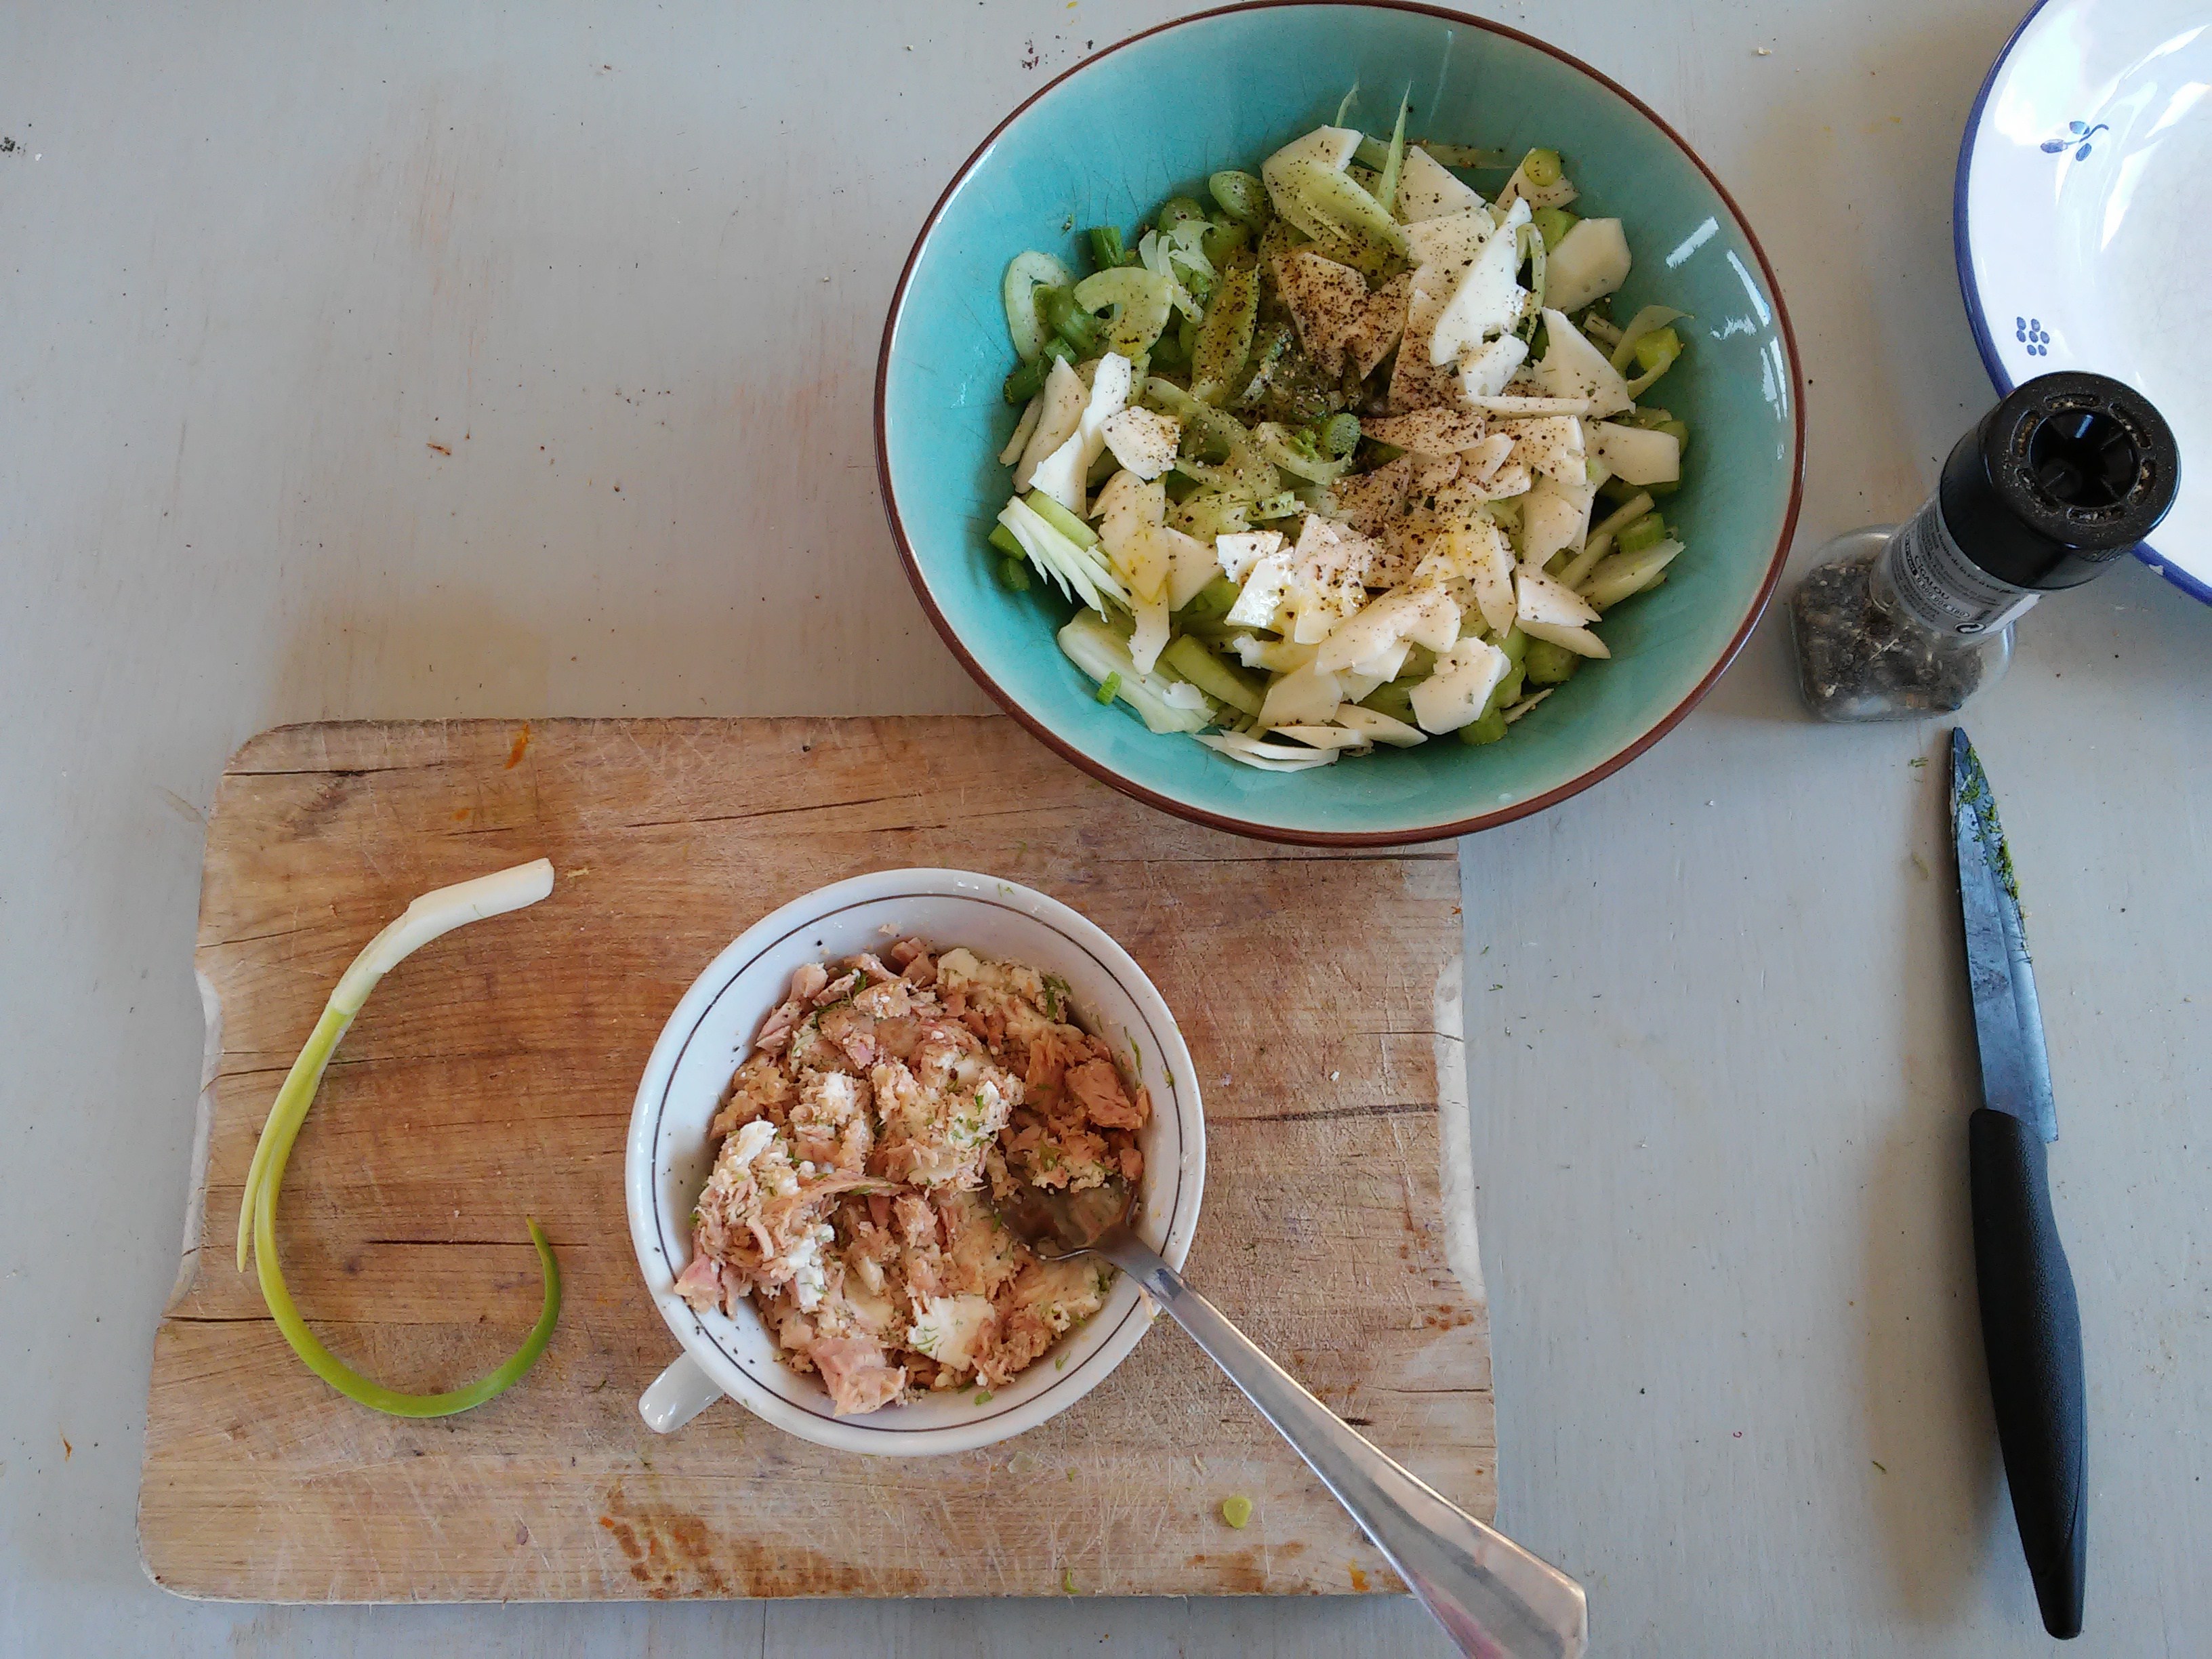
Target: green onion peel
[(425, 919)]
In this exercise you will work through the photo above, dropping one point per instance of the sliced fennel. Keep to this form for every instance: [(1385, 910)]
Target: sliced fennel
[(1028, 273), (1103, 653), (1139, 301), (426, 918)]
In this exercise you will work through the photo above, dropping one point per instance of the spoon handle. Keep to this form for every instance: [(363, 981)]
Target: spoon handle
[(1492, 1597)]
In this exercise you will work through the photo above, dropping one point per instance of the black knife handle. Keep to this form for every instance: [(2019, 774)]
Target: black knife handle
[(2031, 1332)]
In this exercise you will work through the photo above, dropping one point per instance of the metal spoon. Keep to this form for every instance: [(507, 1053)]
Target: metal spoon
[(1491, 1596)]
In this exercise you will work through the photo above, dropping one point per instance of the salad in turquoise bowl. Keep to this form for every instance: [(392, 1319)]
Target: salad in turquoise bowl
[(1380, 442)]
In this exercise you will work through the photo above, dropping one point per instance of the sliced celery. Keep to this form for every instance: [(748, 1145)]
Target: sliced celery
[(1599, 542), (1553, 223), (1489, 729), (1026, 382), (1224, 339), (1550, 664), (1656, 353), (1223, 241), (1628, 573), (1646, 321), (1394, 698), (1534, 251), (1242, 196), (1647, 531), (1190, 658), (1324, 202), (1175, 210), (1206, 514), (1659, 347), (1065, 318), (1211, 604)]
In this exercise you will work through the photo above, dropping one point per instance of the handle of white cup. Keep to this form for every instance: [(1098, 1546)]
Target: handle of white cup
[(676, 1395)]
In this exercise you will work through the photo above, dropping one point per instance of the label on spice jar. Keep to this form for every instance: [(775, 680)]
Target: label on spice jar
[(1945, 590)]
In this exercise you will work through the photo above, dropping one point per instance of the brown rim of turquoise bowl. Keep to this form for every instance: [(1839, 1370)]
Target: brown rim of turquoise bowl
[(1413, 835)]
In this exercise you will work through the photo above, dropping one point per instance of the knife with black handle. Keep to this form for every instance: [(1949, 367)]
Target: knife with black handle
[(2031, 1321)]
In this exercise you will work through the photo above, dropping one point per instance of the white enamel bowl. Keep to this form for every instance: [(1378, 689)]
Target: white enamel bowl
[(669, 1153), (2083, 223)]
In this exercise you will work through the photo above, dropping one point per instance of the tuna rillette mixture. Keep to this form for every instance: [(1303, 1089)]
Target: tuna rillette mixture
[(883, 1105)]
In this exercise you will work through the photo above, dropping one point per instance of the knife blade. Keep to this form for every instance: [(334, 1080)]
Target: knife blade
[(2031, 1320)]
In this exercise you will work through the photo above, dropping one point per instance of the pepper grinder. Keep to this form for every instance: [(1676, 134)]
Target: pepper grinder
[(2068, 472)]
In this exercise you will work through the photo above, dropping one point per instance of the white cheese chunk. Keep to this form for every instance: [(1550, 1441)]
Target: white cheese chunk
[(1305, 695), (1378, 728), (1144, 440), (1265, 586), (1151, 637), (1542, 599), (1427, 188), (1236, 554), (1554, 516), (1573, 368), (1063, 474), (1637, 454), (1190, 565), (1486, 302), (1421, 615), (1580, 640), (1453, 695), (1485, 370), (1064, 398), (1491, 575), (1552, 445), (1446, 245), (1590, 262)]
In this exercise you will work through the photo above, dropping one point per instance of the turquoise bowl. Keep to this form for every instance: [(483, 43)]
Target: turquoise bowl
[(1110, 140)]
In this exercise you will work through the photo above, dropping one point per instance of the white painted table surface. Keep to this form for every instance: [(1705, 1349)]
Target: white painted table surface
[(257, 261)]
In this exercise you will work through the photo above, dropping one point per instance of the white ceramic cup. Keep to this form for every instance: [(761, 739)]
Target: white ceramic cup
[(670, 1153)]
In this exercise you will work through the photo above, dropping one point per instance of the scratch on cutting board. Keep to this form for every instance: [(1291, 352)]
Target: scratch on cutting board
[(1456, 1135)]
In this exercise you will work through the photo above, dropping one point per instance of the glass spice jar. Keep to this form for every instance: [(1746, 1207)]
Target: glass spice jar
[(2068, 472)]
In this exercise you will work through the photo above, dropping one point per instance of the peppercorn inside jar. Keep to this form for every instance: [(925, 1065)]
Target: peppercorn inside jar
[(2068, 472)]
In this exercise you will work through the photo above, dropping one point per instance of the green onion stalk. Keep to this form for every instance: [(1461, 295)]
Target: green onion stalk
[(425, 919)]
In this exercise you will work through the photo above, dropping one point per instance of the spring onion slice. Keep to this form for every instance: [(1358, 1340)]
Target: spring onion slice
[(426, 918)]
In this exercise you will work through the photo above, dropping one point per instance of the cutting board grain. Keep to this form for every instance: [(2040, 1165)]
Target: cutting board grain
[(492, 1076)]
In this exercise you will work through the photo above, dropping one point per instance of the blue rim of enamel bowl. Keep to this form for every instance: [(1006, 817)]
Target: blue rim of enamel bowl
[(1404, 835), (1977, 318)]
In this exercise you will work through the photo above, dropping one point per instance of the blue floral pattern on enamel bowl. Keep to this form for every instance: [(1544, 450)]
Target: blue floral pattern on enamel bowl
[(2083, 222)]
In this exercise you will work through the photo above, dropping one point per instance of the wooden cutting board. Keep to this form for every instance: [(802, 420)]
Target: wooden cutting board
[(492, 1076)]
